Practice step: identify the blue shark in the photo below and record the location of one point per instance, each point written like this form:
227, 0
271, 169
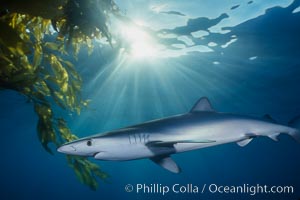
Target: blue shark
158, 139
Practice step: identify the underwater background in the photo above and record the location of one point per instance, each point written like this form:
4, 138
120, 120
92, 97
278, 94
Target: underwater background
242, 55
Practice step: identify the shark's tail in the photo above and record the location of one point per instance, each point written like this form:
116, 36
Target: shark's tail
295, 123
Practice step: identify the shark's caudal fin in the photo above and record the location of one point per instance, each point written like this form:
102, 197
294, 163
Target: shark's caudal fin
295, 123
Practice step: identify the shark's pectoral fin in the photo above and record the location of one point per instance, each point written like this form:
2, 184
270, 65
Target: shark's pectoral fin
167, 163
158, 143
243, 143
168, 147
195, 141
171, 143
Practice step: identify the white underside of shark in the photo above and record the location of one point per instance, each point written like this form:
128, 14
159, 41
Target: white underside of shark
200, 128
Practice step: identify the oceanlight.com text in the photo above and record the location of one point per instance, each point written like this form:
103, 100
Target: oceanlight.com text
250, 189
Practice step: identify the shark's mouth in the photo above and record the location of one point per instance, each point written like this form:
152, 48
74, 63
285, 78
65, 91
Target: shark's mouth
100, 155
94, 155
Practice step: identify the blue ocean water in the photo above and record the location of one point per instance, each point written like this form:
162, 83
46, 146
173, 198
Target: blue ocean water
257, 73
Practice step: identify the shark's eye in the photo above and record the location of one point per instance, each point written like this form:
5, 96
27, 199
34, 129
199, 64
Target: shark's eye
89, 143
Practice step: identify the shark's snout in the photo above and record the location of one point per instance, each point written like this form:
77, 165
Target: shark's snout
66, 149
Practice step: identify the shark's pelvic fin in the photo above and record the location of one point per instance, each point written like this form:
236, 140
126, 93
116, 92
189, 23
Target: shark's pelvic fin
167, 163
202, 104
243, 143
249, 138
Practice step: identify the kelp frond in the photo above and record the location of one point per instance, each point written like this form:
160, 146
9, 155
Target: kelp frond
37, 65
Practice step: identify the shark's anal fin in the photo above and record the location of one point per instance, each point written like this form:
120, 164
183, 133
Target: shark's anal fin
167, 163
274, 136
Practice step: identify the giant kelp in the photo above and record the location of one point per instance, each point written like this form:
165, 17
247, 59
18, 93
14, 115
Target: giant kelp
36, 62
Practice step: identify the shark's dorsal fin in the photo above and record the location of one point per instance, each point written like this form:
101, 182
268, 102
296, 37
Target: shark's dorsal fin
167, 163
202, 104
268, 118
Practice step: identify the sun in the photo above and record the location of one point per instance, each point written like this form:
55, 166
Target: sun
138, 42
